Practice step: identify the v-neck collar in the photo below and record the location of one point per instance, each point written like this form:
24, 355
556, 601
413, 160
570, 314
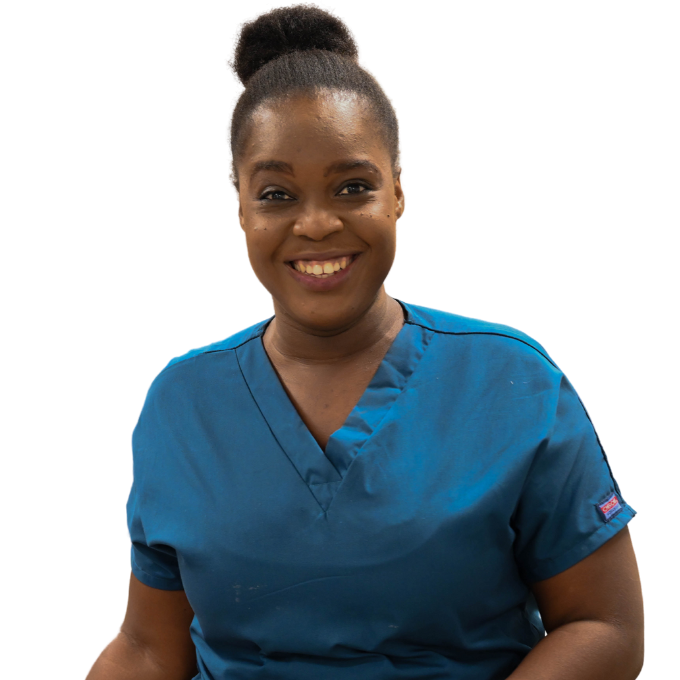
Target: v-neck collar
323, 472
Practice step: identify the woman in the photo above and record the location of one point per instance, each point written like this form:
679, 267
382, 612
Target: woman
359, 487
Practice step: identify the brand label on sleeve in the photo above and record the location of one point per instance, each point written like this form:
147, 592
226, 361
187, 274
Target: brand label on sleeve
610, 507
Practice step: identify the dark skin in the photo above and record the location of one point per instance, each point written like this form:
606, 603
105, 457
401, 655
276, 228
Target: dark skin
352, 325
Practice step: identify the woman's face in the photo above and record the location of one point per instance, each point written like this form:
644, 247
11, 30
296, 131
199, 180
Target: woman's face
319, 206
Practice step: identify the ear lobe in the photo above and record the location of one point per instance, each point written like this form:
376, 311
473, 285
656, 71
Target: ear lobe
241, 218
399, 194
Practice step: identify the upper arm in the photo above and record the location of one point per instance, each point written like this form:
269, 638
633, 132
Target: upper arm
604, 586
159, 621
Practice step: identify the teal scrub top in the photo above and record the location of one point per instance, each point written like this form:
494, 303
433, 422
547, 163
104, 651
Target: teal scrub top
468, 470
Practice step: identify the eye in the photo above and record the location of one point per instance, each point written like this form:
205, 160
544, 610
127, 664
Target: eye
355, 184
271, 193
366, 188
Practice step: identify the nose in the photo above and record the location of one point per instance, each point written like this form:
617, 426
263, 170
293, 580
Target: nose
317, 224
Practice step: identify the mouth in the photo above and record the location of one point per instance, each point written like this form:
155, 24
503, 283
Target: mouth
324, 282
324, 276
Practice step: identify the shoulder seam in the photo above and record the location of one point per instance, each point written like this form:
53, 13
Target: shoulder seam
180, 358
503, 335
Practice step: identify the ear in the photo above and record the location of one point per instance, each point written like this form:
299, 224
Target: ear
239, 217
239, 212
237, 185
399, 195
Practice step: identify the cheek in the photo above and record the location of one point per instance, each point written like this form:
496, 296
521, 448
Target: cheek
259, 245
385, 214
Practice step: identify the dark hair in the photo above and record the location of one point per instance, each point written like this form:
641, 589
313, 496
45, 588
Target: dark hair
302, 49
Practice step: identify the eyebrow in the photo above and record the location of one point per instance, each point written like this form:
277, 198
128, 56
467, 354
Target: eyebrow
335, 168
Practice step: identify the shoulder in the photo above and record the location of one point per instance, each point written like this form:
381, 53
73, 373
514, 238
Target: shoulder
478, 335
230, 343
198, 365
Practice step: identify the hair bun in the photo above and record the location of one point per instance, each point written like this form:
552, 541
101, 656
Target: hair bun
289, 29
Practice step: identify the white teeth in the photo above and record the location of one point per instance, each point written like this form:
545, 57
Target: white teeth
324, 270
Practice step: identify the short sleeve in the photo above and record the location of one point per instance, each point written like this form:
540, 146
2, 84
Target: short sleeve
154, 563
570, 503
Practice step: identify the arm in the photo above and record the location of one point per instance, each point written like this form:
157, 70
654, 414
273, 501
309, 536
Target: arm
582, 650
123, 660
593, 615
154, 641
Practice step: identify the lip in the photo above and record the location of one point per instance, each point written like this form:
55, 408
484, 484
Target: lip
322, 285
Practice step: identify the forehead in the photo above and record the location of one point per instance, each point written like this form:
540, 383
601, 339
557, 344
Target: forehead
314, 130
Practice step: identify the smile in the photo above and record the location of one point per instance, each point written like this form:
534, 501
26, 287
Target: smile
327, 276
322, 269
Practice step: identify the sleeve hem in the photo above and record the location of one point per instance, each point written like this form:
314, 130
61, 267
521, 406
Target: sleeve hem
156, 581
551, 567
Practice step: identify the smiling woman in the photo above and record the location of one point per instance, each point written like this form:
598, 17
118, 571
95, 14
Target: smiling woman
359, 487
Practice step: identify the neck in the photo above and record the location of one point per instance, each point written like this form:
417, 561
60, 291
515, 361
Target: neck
378, 325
